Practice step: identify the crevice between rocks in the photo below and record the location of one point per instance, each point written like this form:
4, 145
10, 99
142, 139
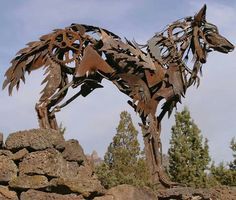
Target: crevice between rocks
4, 183
59, 189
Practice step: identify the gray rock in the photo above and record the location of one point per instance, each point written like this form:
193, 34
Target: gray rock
72, 170
48, 162
74, 152
34, 139
128, 192
19, 154
84, 186
6, 194
51, 163
29, 182
8, 169
77, 179
38, 195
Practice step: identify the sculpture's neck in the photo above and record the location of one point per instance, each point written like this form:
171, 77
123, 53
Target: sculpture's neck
175, 45
171, 44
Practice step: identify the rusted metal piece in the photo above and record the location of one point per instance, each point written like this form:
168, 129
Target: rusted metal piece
147, 73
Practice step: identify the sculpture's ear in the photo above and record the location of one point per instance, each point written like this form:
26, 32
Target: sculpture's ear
201, 15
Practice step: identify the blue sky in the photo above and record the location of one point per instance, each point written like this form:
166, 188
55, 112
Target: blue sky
93, 120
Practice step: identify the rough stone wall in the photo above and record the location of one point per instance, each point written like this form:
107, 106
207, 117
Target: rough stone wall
39, 164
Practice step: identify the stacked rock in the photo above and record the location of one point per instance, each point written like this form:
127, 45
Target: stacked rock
39, 164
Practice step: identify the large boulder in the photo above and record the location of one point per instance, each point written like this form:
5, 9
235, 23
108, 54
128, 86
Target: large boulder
86, 187
29, 182
34, 139
48, 162
123, 192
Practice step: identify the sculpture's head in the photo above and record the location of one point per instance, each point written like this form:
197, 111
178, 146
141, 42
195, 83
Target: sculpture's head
206, 37
191, 33
188, 37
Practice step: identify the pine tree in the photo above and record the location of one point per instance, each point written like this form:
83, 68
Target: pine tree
232, 164
124, 149
226, 174
123, 162
188, 153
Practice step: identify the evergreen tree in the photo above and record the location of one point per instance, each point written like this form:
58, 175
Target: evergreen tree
226, 175
188, 153
124, 150
123, 162
223, 175
232, 164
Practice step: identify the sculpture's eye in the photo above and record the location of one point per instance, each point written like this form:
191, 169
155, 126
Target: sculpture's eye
214, 30
210, 31
210, 28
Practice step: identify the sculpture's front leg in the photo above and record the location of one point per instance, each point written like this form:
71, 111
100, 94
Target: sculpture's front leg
153, 151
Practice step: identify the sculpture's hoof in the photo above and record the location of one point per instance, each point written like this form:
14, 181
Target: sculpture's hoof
169, 184
161, 178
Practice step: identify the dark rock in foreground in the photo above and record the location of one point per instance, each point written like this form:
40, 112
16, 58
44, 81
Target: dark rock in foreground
128, 192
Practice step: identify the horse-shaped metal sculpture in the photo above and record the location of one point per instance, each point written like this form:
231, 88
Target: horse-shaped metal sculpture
147, 73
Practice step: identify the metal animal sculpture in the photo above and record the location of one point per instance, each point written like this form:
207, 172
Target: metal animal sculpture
147, 73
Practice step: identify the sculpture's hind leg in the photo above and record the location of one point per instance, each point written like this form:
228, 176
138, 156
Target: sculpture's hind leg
53, 121
56, 80
47, 118
43, 115
54, 101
